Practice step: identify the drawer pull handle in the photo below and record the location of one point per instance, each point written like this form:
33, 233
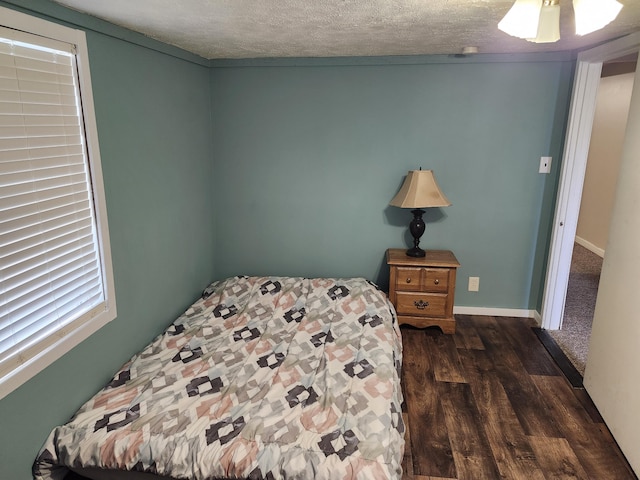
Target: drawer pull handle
409, 280
436, 281
421, 305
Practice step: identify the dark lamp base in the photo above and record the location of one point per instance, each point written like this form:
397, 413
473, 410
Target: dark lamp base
415, 252
416, 227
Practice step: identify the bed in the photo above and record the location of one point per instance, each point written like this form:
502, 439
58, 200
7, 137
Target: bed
270, 378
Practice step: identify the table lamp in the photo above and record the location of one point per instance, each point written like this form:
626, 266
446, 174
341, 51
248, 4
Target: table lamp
419, 190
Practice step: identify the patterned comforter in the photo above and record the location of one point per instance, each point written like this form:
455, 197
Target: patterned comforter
265, 378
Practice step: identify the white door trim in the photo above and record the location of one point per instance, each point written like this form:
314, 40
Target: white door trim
576, 150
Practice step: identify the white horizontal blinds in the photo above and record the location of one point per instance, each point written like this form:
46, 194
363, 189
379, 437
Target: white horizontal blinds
50, 267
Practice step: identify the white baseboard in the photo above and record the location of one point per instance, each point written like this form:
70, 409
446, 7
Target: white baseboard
537, 317
497, 312
590, 246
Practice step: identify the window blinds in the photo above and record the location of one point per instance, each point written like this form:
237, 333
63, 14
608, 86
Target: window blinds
50, 269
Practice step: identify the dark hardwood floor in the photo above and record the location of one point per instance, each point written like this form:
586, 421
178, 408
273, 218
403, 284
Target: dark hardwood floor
489, 402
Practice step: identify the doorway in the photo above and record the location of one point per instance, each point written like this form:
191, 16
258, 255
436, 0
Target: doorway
581, 117
596, 206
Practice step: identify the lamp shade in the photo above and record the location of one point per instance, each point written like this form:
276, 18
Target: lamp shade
420, 190
592, 15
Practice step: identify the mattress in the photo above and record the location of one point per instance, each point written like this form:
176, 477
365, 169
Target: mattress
262, 378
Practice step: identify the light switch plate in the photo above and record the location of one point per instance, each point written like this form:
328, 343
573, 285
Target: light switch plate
545, 165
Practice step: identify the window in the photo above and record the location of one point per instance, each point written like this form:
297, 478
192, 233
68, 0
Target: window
56, 283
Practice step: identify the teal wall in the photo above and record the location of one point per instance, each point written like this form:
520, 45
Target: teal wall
153, 115
308, 156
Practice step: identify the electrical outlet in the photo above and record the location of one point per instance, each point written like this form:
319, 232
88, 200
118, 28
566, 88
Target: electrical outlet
474, 284
545, 165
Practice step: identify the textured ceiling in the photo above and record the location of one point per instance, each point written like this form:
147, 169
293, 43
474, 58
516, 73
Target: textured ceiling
327, 28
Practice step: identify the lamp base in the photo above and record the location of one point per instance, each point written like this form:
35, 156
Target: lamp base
415, 252
416, 227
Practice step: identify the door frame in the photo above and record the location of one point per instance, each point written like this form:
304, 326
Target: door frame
574, 164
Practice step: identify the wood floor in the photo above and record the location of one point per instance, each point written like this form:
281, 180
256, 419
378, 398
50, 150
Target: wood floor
490, 403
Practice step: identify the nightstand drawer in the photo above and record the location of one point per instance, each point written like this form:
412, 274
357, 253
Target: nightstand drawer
409, 279
422, 279
421, 304
436, 279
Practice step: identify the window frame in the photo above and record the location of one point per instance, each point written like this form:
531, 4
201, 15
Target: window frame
91, 321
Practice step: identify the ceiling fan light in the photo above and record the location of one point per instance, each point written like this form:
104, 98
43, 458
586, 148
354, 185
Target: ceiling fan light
549, 25
522, 19
592, 15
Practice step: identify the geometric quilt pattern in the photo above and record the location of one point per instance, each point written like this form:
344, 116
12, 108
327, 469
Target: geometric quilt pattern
265, 378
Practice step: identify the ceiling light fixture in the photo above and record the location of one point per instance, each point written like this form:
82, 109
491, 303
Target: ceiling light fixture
539, 20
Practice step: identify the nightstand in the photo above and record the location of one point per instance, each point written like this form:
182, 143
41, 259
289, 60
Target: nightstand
422, 289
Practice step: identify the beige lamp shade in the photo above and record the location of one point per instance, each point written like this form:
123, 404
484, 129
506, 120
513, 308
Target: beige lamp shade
420, 190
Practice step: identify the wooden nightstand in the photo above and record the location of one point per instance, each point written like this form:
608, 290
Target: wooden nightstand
422, 289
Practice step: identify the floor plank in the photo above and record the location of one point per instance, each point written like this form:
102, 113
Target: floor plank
555, 455
447, 368
430, 445
471, 451
466, 336
510, 445
488, 403
596, 454
520, 389
584, 398
530, 351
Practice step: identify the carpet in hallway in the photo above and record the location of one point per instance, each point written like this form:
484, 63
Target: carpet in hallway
582, 290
